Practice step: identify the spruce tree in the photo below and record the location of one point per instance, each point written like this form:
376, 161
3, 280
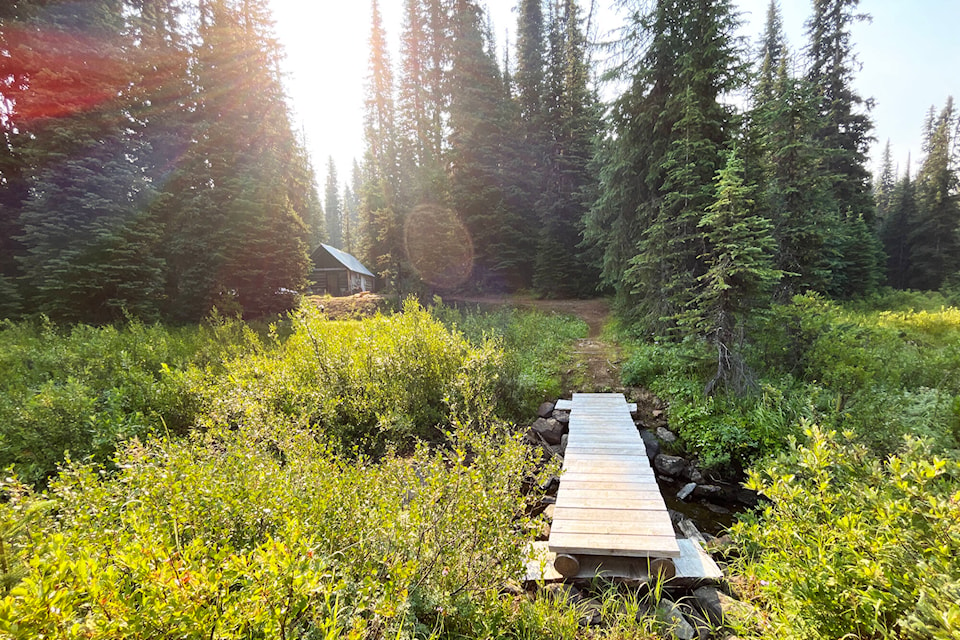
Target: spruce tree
657, 179
739, 273
901, 214
884, 184
572, 124
89, 242
935, 233
333, 207
843, 136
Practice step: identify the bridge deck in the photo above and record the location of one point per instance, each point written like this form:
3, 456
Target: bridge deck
608, 503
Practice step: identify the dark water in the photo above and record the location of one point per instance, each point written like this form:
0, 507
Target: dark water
706, 519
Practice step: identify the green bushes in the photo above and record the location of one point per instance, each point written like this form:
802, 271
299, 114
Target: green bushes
878, 375
87, 388
222, 537
854, 545
385, 381
537, 351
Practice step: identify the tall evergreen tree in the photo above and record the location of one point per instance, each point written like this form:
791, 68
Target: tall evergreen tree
935, 233
901, 213
884, 184
670, 129
237, 242
572, 124
89, 246
333, 207
739, 273
843, 135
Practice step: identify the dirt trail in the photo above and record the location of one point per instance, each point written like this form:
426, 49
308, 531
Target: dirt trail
596, 366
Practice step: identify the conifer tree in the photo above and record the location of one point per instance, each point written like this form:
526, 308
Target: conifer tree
935, 232
895, 230
843, 136
884, 184
333, 207
89, 247
739, 273
571, 120
658, 173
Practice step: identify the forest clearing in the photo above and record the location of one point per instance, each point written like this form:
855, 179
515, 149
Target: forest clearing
622, 287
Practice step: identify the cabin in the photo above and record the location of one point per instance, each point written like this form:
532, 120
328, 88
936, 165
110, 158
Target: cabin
338, 273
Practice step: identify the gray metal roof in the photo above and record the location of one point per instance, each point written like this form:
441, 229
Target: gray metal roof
348, 260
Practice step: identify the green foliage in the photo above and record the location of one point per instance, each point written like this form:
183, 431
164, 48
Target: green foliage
219, 535
536, 351
85, 389
854, 545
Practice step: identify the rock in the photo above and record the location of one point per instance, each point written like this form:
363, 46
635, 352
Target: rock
511, 588
686, 491
563, 443
666, 435
657, 413
541, 506
546, 409
721, 608
707, 491
550, 486
548, 511
651, 443
689, 530
697, 620
671, 466
563, 417
749, 498
544, 533
670, 615
549, 429
717, 508
693, 474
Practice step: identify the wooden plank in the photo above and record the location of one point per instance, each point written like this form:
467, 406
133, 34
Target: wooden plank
564, 405
571, 478
634, 484
585, 465
695, 563
648, 492
618, 503
612, 545
602, 527
610, 515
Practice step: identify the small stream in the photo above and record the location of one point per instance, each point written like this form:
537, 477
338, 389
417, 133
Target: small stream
708, 520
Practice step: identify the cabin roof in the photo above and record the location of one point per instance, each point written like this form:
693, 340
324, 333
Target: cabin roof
346, 260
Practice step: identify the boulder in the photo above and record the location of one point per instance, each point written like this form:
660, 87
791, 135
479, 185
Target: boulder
721, 608
563, 444
563, 417
707, 491
651, 442
693, 474
546, 409
563, 592
671, 466
549, 429
670, 614
666, 435
686, 491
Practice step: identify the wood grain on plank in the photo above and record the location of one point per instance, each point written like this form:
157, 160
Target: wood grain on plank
602, 544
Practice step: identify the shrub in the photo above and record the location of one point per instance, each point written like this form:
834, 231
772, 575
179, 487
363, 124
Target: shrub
853, 545
220, 537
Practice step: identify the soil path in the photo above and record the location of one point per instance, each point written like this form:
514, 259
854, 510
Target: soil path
596, 365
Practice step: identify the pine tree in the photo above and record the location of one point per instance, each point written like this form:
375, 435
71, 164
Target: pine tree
739, 273
935, 233
333, 207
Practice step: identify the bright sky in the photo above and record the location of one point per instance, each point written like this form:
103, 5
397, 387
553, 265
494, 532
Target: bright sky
909, 53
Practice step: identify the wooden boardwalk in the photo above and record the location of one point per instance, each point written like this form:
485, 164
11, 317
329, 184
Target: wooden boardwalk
609, 503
